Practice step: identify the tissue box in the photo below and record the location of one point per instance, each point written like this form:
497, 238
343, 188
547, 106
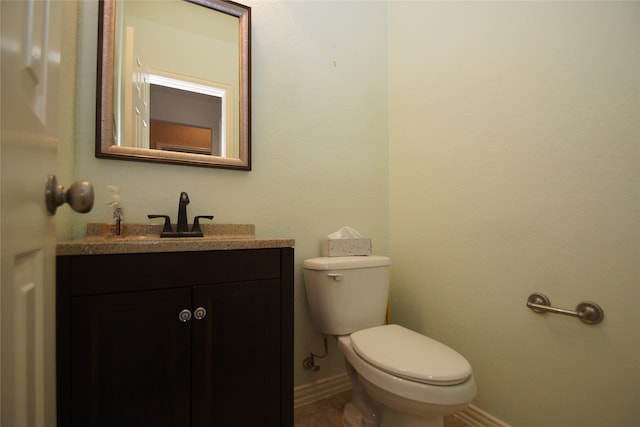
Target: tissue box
346, 247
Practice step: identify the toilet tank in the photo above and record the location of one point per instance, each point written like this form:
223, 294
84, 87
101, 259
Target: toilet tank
347, 294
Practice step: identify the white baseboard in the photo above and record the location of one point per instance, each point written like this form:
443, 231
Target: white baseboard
476, 417
309, 393
320, 389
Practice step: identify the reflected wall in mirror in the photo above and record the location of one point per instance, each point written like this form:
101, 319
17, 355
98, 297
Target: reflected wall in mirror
174, 82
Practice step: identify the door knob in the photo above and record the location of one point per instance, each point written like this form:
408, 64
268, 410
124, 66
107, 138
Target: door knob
79, 196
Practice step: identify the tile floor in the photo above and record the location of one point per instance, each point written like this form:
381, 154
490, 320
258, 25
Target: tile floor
328, 413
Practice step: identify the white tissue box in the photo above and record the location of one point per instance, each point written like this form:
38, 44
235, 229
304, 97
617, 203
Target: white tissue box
346, 247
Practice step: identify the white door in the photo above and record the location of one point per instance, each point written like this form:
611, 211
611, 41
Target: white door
136, 92
30, 63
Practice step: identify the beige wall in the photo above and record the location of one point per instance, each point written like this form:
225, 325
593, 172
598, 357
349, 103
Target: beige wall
514, 168
319, 141
504, 161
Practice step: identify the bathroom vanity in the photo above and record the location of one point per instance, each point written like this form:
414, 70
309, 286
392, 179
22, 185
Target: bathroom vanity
187, 332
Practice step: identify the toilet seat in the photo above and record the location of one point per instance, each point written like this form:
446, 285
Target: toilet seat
410, 355
453, 397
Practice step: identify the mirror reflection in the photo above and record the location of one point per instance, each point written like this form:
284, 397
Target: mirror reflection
172, 128
175, 81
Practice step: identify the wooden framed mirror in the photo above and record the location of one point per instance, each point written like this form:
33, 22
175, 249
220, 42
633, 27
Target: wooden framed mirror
174, 82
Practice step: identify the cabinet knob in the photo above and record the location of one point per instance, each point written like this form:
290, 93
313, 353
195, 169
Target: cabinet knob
199, 313
184, 315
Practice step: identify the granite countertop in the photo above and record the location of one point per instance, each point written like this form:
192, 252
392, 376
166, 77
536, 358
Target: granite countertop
144, 238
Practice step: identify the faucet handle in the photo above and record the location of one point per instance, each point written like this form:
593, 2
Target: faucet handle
196, 223
167, 222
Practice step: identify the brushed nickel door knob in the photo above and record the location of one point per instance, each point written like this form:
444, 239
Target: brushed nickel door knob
79, 196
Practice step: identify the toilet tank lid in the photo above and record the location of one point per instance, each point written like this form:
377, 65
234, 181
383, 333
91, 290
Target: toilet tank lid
408, 354
346, 262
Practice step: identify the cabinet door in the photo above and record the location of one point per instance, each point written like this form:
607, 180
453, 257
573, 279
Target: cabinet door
236, 355
130, 362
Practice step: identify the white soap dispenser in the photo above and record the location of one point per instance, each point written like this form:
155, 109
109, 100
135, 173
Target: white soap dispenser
116, 211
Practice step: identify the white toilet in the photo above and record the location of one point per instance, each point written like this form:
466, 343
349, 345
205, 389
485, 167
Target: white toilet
400, 378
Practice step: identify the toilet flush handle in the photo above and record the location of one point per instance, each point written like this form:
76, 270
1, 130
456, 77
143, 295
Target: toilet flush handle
336, 276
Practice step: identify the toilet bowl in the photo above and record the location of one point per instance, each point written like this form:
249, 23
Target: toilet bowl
400, 378
414, 380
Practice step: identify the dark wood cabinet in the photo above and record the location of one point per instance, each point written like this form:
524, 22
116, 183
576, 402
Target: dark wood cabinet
176, 339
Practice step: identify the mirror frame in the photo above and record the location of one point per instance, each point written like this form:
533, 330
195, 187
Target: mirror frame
104, 105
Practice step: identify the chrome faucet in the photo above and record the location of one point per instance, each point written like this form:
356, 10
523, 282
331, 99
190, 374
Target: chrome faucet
183, 227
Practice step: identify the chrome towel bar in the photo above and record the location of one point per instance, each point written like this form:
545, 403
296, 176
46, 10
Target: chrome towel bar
588, 312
